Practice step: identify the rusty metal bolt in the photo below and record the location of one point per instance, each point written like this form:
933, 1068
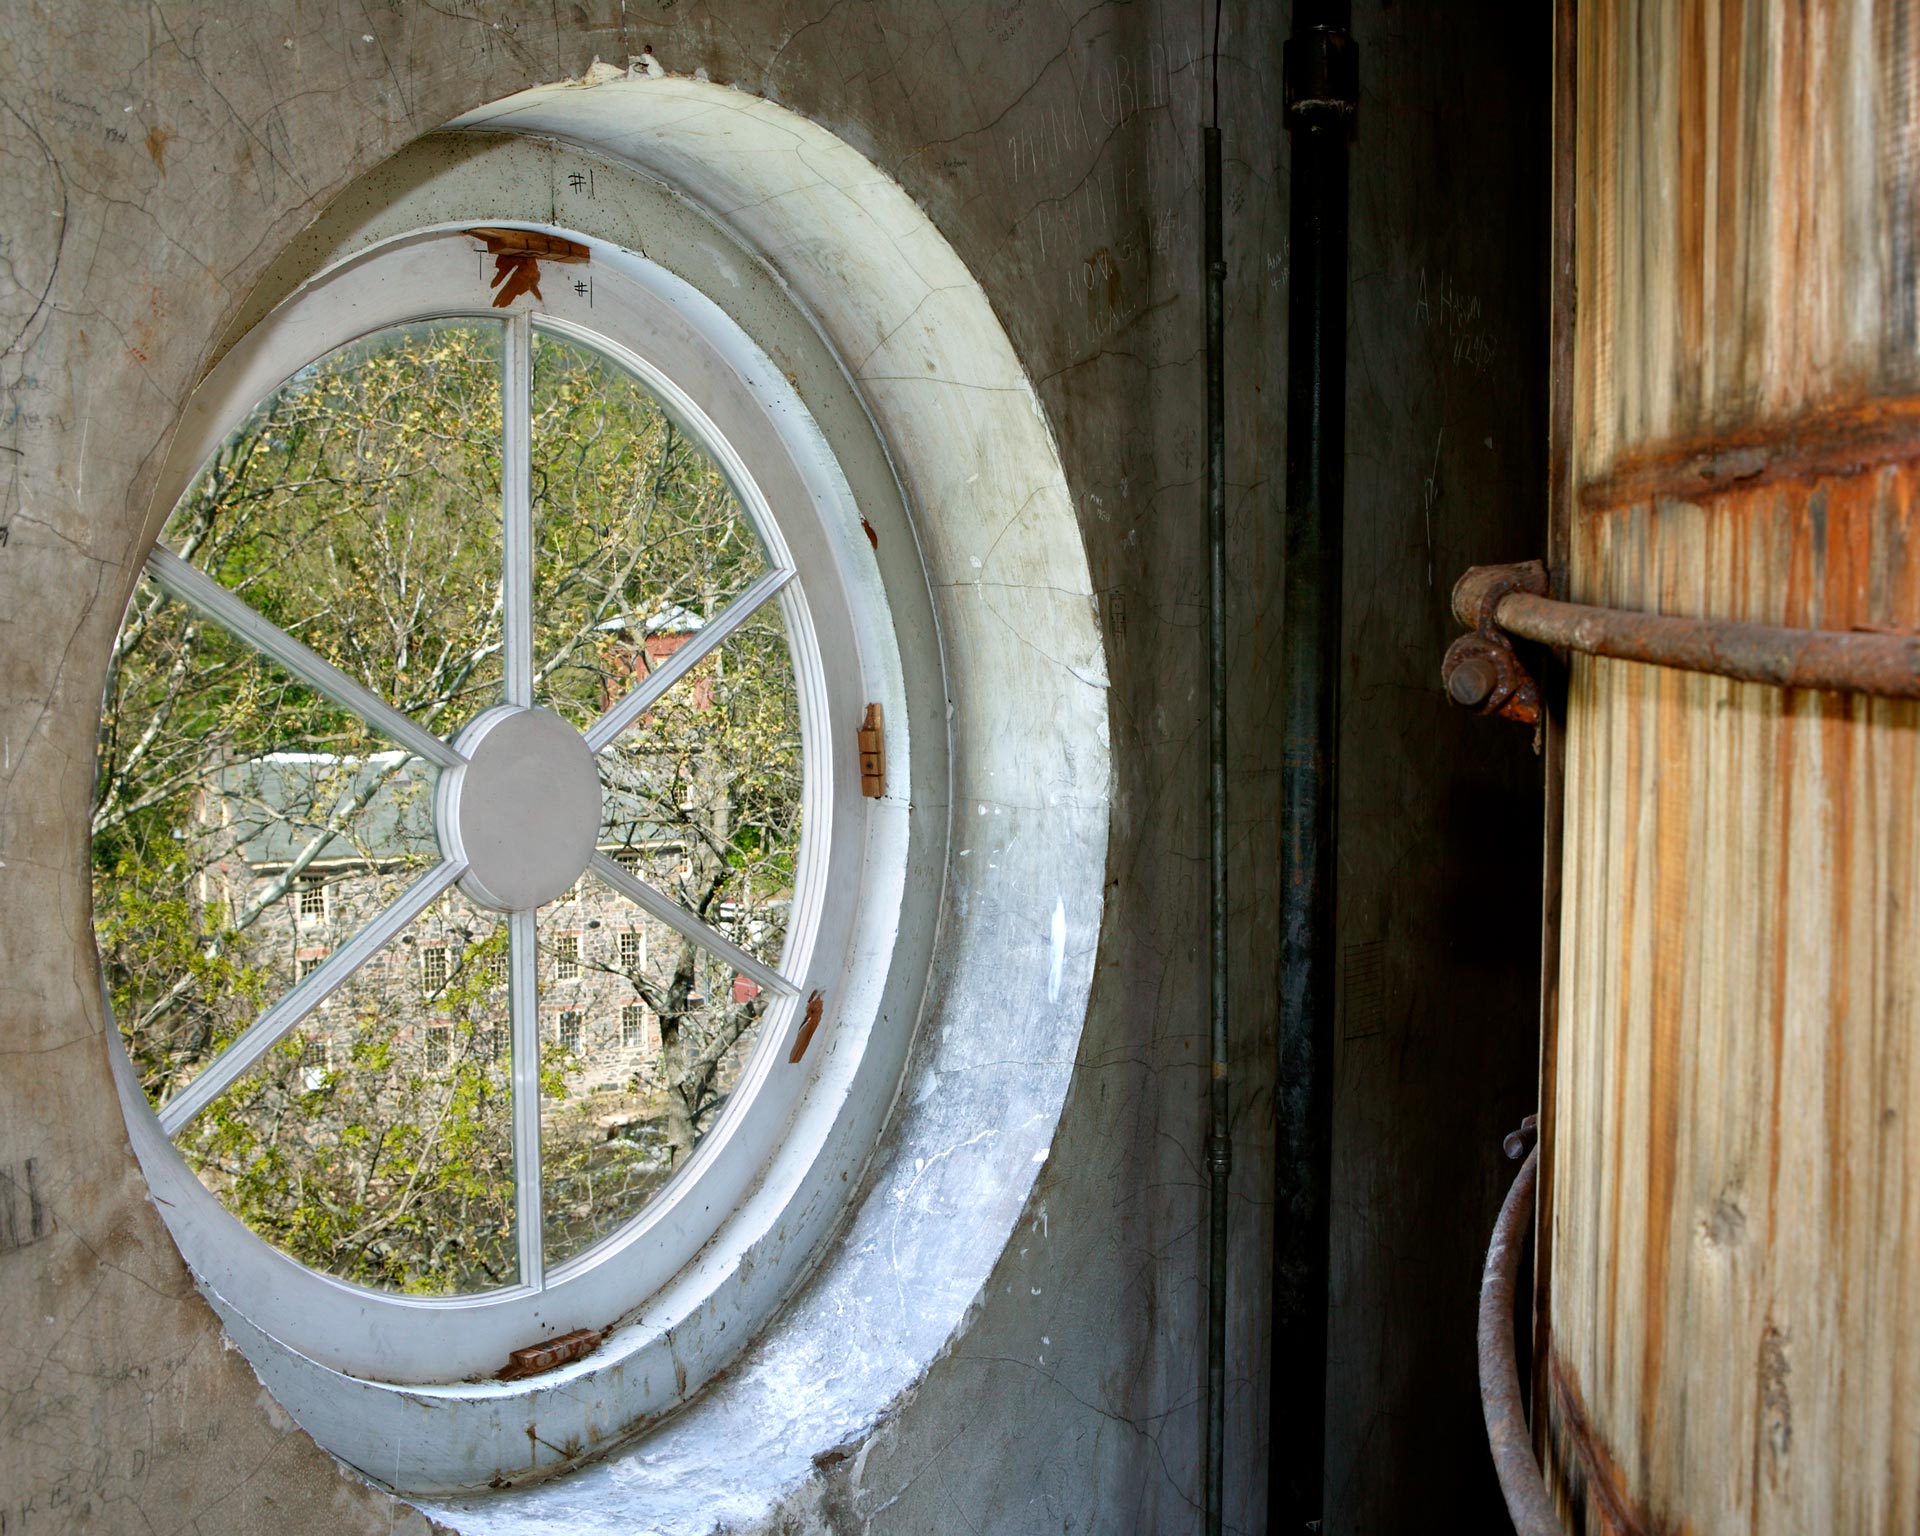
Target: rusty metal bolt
1517, 1144
1473, 682
1482, 673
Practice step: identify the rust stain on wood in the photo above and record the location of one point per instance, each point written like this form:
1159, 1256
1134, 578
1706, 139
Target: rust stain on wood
1733, 1238
1595, 1484
1676, 789
1560, 512
1789, 133
1691, 257
1832, 441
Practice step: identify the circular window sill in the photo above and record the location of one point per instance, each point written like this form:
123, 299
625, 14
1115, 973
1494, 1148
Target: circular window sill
706, 1407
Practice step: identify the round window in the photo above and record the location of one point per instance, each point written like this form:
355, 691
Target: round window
478, 830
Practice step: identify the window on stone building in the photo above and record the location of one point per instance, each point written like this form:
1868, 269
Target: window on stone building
566, 957
569, 1031
316, 1061
633, 1025
439, 1044
312, 898
434, 967
633, 951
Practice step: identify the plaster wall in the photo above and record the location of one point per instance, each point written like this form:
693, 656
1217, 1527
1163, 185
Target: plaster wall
158, 161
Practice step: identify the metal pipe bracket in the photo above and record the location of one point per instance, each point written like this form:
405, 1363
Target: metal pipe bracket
1481, 671
1320, 79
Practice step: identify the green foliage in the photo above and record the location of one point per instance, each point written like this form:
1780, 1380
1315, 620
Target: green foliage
358, 509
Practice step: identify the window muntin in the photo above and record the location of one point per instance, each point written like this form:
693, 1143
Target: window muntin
566, 953
316, 1061
312, 898
720, 842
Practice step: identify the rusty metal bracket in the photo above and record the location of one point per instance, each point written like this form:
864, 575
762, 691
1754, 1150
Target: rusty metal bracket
1501, 600
807, 1026
538, 1359
873, 754
1481, 671
1320, 78
517, 254
1529, 1504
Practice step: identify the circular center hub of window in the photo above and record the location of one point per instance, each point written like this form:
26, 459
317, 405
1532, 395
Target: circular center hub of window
524, 811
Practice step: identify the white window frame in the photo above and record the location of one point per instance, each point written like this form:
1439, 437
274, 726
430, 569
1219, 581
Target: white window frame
633, 1026
314, 888
567, 953
748, 418
316, 1061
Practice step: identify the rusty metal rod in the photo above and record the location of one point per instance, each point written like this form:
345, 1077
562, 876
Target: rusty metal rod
1841, 661
1529, 1505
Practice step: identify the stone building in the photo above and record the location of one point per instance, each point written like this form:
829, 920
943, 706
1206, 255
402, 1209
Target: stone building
593, 937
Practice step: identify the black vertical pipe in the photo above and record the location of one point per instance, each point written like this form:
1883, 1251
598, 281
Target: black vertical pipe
1321, 79
1219, 1135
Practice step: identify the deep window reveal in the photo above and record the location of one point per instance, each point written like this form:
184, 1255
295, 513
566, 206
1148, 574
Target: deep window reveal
977, 910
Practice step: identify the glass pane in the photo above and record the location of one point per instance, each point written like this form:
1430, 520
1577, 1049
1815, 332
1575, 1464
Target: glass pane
358, 508
638, 536
703, 792
643, 1037
376, 1141
243, 828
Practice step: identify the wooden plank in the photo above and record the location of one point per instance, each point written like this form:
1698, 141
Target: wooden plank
1561, 379
1734, 1220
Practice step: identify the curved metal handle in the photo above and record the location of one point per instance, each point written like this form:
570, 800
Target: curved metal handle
1529, 1505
